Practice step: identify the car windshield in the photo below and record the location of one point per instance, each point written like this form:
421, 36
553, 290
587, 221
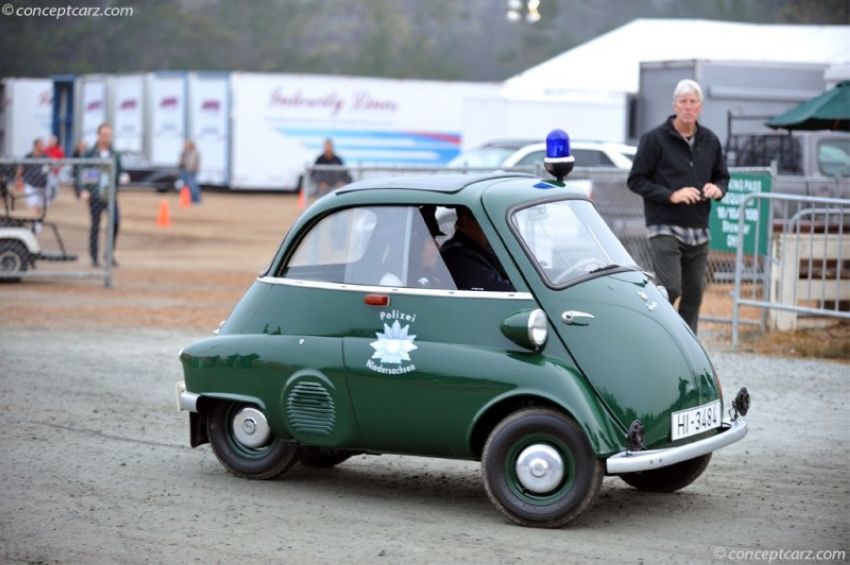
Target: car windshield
482, 157
568, 239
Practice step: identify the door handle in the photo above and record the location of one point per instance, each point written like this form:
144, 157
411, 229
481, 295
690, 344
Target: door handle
576, 317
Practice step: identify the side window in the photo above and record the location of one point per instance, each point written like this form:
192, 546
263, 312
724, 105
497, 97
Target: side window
426, 267
591, 158
394, 246
352, 246
531, 159
834, 158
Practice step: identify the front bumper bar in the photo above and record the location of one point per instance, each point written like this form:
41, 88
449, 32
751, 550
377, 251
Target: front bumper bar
637, 461
186, 400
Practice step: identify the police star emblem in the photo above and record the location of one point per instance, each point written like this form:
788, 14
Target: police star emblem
393, 345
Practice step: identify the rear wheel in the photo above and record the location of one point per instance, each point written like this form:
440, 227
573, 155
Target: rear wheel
539, 469
242, 442
669, 479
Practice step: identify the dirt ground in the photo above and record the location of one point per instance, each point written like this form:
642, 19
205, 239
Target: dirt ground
187, 275
96, 467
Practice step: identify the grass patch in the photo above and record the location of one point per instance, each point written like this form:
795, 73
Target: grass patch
826, 342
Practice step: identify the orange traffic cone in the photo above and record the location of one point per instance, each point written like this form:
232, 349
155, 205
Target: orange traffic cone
185, 197
301, 199
163, 219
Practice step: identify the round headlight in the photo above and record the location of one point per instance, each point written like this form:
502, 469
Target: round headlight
538, 328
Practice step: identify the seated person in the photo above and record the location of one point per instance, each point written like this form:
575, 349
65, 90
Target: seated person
470, 258
427, 269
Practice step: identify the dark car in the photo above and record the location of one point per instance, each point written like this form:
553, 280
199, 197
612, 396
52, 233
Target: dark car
141, 172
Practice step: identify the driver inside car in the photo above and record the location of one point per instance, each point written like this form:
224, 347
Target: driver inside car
470, 258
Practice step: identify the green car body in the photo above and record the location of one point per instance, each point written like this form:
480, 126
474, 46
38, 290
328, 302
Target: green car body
334, 359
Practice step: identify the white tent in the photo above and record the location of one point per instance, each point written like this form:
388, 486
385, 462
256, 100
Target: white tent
611, 62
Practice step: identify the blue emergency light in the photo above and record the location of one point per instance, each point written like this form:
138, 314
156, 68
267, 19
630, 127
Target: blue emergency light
558, 162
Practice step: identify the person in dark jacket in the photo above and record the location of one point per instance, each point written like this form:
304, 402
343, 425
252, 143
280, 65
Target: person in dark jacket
679, 169
97, 191
471, 260
328, 180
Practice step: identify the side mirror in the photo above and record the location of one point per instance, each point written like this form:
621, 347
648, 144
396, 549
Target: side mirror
527, 328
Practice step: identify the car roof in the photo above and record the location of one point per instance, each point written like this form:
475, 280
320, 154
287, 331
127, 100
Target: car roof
432, 183
509, 143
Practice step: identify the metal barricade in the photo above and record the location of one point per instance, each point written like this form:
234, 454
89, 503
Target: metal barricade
46, 226
807, 268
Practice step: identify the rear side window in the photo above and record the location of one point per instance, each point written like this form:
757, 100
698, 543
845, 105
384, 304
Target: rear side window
394, 246
343, 247
591, 158
834, 157
531, 159
765, 150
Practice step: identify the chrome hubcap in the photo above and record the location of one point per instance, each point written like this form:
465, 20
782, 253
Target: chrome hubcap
250, 428
540, 468
10, 262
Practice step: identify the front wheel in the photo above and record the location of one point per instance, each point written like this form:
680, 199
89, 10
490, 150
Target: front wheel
539, 469
669, 479
243, 443
14, 257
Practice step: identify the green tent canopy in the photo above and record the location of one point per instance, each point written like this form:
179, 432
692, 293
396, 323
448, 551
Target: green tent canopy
830, 110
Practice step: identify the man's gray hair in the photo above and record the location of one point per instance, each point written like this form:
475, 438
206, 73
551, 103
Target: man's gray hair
687, 86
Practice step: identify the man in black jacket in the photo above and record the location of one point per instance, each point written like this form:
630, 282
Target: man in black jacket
327, 180
678, 170
471, 260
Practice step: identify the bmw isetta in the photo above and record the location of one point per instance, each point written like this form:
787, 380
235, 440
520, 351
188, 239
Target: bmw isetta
543, 352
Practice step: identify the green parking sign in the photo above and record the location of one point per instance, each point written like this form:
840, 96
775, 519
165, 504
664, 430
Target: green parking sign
723, 221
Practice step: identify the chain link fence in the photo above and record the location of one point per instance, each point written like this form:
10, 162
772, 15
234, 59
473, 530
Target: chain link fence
58, 219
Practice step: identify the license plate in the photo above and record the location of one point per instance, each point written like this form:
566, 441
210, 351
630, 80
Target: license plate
694, 421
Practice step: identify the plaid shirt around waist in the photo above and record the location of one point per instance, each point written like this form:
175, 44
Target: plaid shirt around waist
685, 235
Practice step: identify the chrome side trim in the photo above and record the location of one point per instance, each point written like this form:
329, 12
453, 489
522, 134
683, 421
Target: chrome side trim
636, 461
398, 290
186, 400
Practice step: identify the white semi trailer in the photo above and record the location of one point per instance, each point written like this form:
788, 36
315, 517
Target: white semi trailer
26, 112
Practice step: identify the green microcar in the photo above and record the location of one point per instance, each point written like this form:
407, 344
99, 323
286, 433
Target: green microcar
492, 318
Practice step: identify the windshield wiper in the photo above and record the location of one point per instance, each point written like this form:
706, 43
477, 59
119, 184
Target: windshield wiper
607, 268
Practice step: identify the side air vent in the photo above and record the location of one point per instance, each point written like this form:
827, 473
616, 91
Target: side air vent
310, 409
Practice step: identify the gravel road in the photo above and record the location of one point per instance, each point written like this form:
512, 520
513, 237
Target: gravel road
96, 468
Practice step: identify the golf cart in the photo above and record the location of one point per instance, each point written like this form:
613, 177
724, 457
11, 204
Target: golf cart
19, 228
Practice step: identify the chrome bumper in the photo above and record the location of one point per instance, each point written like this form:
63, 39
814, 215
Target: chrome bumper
636, 461
186, 400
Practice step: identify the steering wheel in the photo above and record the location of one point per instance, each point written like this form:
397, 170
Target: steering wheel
585, 265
